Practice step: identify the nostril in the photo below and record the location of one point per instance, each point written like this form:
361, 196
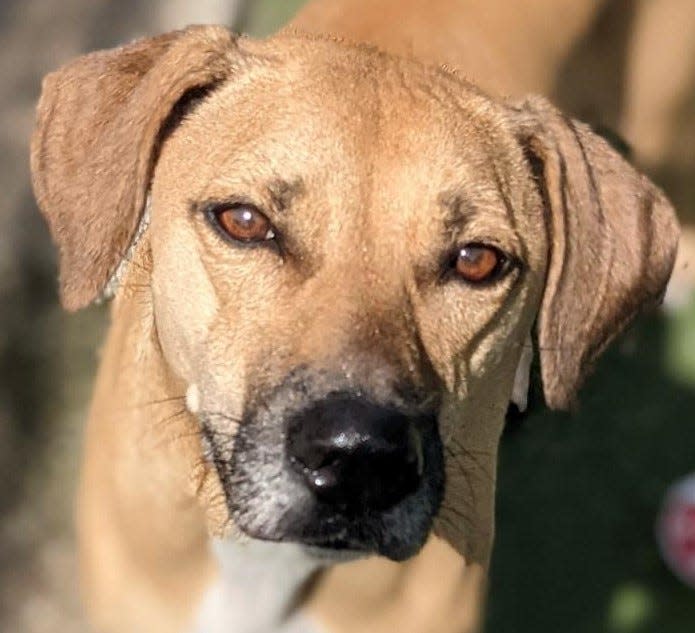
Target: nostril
354, 454
325, 482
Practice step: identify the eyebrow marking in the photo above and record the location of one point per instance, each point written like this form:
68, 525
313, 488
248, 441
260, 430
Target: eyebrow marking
283, 193
459, 209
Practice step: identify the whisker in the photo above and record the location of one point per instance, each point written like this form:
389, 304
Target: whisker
150, 403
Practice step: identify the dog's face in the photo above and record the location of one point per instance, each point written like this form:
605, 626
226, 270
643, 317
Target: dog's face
331, 266
348, 252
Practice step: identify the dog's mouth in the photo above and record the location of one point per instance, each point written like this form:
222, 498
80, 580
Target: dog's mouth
338, 473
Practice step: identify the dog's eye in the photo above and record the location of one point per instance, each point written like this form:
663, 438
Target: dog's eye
480, 263
243, 223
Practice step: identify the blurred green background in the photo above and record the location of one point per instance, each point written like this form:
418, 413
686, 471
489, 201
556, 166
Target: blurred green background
578, 494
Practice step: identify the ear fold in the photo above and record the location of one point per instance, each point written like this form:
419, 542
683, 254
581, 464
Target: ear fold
613, 237
100, 120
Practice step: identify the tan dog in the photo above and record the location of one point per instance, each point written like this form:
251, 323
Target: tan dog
327, 261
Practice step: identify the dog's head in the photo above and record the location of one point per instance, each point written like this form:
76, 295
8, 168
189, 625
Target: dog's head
346, 254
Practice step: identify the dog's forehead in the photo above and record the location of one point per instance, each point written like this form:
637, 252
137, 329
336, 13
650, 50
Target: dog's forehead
359, 89
310, 105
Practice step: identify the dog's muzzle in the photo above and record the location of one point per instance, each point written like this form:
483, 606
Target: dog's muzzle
335, 469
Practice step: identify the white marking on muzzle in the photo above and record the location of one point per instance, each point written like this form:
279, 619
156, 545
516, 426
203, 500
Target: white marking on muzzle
193, 399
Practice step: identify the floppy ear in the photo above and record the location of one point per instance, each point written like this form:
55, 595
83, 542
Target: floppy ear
613, 237
100, 120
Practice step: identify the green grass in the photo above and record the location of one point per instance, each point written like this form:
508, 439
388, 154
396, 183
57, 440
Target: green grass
680, 345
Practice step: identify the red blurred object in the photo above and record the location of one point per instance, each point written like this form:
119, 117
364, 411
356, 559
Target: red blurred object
676, 530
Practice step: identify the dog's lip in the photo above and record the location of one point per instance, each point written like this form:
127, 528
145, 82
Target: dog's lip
329, 549
320, 553
331, 555
342, 544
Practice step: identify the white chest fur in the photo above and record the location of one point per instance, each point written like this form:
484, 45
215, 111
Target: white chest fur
256, 589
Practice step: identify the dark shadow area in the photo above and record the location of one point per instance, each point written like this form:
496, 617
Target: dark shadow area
677, 175
592, 86
29, 389
578, 498
591, 83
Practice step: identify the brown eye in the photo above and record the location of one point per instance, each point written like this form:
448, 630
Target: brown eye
244, 223
478, 263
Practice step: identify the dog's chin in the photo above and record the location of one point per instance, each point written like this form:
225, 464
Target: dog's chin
338, 539
342, 539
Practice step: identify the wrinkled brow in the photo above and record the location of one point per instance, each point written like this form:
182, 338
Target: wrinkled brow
457, 207
283, 193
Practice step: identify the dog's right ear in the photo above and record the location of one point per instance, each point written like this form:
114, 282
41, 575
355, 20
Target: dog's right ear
100, 121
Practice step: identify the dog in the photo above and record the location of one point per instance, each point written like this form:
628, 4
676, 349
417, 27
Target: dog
329, 261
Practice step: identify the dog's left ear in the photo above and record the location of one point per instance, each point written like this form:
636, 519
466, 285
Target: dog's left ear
613, 237
100, 121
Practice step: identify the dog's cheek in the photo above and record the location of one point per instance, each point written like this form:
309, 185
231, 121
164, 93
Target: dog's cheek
185, 304
449, 327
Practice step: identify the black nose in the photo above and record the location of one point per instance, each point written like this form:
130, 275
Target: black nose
354, 454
